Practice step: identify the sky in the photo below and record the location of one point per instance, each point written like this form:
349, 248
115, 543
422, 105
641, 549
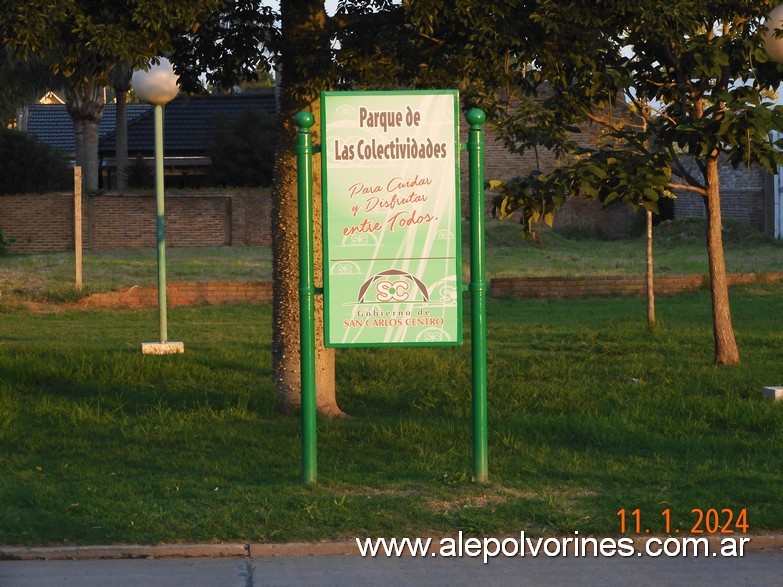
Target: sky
331, 5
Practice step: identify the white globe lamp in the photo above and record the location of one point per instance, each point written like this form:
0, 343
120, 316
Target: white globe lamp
773, 44
156, 85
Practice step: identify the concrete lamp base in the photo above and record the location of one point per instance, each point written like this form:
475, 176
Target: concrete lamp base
773, 394
162, 348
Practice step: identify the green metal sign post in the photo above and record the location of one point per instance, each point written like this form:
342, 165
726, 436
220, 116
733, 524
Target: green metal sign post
392, 262
304, 162
478, 293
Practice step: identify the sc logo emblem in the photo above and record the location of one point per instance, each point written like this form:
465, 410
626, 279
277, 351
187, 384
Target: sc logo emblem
392, 291
393, 286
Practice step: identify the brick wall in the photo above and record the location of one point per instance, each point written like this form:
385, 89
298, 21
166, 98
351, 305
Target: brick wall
500, 164
129, 221
251, 218
615, 221
38, 222
743, 192
228, 292
607, 286
745, 195
184, 294
44, 222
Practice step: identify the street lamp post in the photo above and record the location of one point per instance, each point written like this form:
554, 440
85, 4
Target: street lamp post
158, 86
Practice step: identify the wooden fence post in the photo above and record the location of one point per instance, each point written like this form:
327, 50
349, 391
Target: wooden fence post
77, 224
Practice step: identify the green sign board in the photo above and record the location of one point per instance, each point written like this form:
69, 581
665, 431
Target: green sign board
391, 218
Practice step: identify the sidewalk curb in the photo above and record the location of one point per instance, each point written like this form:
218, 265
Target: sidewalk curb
303, 549
250, 550
124, 551
142, 551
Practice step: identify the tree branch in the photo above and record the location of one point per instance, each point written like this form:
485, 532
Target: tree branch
339, 22
603, 121
682, 172
690, 188
436, 45
664, 113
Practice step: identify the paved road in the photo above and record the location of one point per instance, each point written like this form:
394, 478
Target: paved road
756, 568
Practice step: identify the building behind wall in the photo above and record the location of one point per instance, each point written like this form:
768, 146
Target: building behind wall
746, 195
615, 221
187, 132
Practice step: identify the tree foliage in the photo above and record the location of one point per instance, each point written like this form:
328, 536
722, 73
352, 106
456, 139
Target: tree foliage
29, 166
83, 41
5, 243
669, 84
230, 46
664, 81
20, 83
542, 70
242, 150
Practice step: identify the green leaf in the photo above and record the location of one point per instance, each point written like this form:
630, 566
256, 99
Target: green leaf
495, 185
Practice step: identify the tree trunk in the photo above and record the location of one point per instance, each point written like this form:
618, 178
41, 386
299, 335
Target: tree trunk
120, 79
78, 135
85, 107
91, 164
726, 352
307, 45
121, 137
650, 278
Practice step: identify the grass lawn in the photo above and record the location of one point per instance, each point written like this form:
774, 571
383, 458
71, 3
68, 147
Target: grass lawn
590, 412
51, 276
679, 248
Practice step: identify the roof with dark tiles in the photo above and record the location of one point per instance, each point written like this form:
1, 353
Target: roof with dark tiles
186, 122
51, 124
